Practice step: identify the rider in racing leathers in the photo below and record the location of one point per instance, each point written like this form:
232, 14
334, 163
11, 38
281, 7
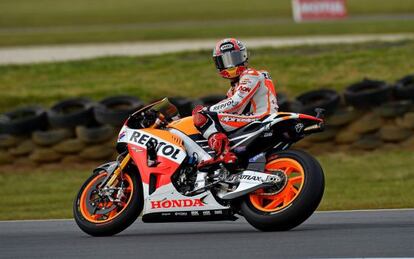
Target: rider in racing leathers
251, 97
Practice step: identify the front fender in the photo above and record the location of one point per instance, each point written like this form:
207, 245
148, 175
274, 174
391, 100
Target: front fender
108, 167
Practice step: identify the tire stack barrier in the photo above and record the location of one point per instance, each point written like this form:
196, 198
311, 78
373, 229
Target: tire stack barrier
68, 132
368, 115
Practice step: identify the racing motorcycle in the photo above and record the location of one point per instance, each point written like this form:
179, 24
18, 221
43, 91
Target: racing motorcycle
156, 174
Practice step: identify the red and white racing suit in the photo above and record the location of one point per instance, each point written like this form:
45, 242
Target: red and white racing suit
249, 99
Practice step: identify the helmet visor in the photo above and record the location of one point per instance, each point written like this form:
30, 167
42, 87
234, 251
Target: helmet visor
230, 59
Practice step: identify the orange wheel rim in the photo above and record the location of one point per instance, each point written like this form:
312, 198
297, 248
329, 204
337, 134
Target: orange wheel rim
295, 180
86, 198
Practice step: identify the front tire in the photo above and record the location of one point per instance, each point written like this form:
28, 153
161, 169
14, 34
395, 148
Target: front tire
98, 216
293, 204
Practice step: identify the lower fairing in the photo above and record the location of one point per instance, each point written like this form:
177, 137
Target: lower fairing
190, 216
166, 204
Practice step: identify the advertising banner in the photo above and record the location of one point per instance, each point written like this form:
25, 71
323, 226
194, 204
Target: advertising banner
313, 10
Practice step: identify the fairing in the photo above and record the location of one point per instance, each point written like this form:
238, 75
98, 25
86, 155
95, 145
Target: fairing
159, 193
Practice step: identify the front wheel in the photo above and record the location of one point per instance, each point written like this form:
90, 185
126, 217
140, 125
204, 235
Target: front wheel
100, 212
283, 209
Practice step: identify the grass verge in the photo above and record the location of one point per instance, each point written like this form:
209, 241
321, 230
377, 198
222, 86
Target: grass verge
295, 70
29, 22
374, 180
44, 13
199, 30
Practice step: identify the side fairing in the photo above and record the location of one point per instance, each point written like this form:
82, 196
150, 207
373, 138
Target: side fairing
165, 199
170, 154
159, 193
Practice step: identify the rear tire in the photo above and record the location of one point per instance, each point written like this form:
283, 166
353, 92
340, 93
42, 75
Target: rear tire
118, 222
299, 206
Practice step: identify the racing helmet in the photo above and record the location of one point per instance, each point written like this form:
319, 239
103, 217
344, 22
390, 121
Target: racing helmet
230, 57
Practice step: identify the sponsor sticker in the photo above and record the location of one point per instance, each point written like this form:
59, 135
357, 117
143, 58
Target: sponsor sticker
181, 203
227, 46
236, 119
121, 135
206, 213
222, 105
163, 148
255, 158
304, 10
244, 89
299, 127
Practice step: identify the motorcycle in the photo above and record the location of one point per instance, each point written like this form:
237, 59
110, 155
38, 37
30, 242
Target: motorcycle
156, 174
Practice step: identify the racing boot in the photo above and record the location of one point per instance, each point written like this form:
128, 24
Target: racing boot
221, 146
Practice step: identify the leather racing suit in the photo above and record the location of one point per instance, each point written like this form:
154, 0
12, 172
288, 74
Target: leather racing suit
250, 98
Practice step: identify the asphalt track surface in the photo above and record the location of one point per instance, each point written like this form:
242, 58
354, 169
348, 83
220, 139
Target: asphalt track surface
57, 53
383, 233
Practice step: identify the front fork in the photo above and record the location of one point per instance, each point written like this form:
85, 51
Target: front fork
114, 171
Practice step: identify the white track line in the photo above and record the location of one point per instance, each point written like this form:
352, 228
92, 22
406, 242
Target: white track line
317, 212
53, 53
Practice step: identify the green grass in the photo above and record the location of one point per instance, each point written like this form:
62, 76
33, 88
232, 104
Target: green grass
56, 21
39, 194
369, 181
28, 13
260, 28
192, 74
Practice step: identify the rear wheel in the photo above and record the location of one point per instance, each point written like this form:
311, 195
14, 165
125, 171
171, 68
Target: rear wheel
100, 212
284, 208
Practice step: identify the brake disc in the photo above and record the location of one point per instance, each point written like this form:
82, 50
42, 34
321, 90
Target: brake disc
93, 205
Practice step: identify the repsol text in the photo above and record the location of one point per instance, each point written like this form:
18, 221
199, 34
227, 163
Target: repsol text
164, 148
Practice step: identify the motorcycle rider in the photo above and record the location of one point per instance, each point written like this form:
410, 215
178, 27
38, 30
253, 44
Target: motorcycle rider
251, 97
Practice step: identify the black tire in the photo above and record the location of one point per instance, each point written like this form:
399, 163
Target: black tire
69, 146
368, 142
404, 88
23, 120
322, 148
120, 222
212, 99
25, 148
71, 113
368, 123
184, 105
346, 137
116, 109
342, 116
328, 134
282, 102
6, 158
324, 98
408, 144
301, 208
94, 135
3, 120
100, 152
8, 141
72, 159
51, 137
407, 121
393, 133
295, 106
367, 94
394, 108
45, 155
